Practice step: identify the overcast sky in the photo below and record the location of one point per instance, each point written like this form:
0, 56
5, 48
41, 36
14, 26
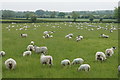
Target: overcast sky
58, 5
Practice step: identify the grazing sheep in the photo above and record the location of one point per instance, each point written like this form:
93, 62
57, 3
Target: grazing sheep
77, 61
65, 62
85, 67
104, 36
100, 56
26, 53
46, 59
23, 35
41, 49
110, 51
2, 53
10, 63
30, 48
78, 38
119, 68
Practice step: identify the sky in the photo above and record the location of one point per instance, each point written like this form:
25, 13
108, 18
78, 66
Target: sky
58, 5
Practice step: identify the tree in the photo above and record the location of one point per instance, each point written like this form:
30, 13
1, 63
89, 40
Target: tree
8, 14
61, 14
101, 19
40, 13
117, 13
53, 14
33, 18
91, 18
75, 15
28, 14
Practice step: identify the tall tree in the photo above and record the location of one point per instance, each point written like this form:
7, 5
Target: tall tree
75, 15
61, 14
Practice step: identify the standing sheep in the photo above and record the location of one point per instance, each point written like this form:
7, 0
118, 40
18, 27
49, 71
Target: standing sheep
65, 62
41, 49
10, 63
77, 61
100, 56
46, 59
110, 51
23, 35
30, 48
85, 67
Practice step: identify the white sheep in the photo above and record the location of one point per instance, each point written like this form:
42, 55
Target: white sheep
26, 53
104, 36
2, 53
30, 48
65, 62
23, 35
85, 67
77, 61
46, 59
43, 49
119, 68
110, 51
10, 63
32, 42
100, 56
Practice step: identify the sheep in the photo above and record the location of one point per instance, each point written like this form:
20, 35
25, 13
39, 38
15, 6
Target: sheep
30, 48
119, 68
32, 43
10, 64
85, 67
43, 49
2, 53
23, 35
65, 62
110, 51
78, 38
100, 56
77, 61
26, 53
104, 36
46, 59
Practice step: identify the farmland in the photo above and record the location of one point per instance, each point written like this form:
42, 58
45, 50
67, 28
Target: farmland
59, 48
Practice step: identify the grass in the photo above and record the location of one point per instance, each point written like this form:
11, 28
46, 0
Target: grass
60, 48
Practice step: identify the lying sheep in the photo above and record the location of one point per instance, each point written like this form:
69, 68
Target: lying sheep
23, 35
65, 62
100, 56
110, 51
2, 53
26, 53
84, 67
46, 59
10, 63
104, 36
41, 49
30, 48
77, 61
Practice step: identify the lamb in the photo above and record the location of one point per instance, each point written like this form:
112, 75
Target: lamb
46, 59
10, 64
104, 36
30, 48
65, 62
26, 53
32, 43
43, 49
110, 51
77, 61
100, 56
2, 53
85, 67
23, 35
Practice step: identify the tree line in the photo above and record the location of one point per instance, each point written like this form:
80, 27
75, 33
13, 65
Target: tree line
100, 14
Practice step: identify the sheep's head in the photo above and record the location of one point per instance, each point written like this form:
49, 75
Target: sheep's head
10, 65
114, 48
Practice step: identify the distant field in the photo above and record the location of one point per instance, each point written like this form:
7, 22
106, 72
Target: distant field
60, 48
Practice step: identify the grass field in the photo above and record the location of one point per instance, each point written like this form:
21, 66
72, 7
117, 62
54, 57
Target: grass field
59, 48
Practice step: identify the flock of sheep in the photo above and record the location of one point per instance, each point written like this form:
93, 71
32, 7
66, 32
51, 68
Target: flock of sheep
48, 59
